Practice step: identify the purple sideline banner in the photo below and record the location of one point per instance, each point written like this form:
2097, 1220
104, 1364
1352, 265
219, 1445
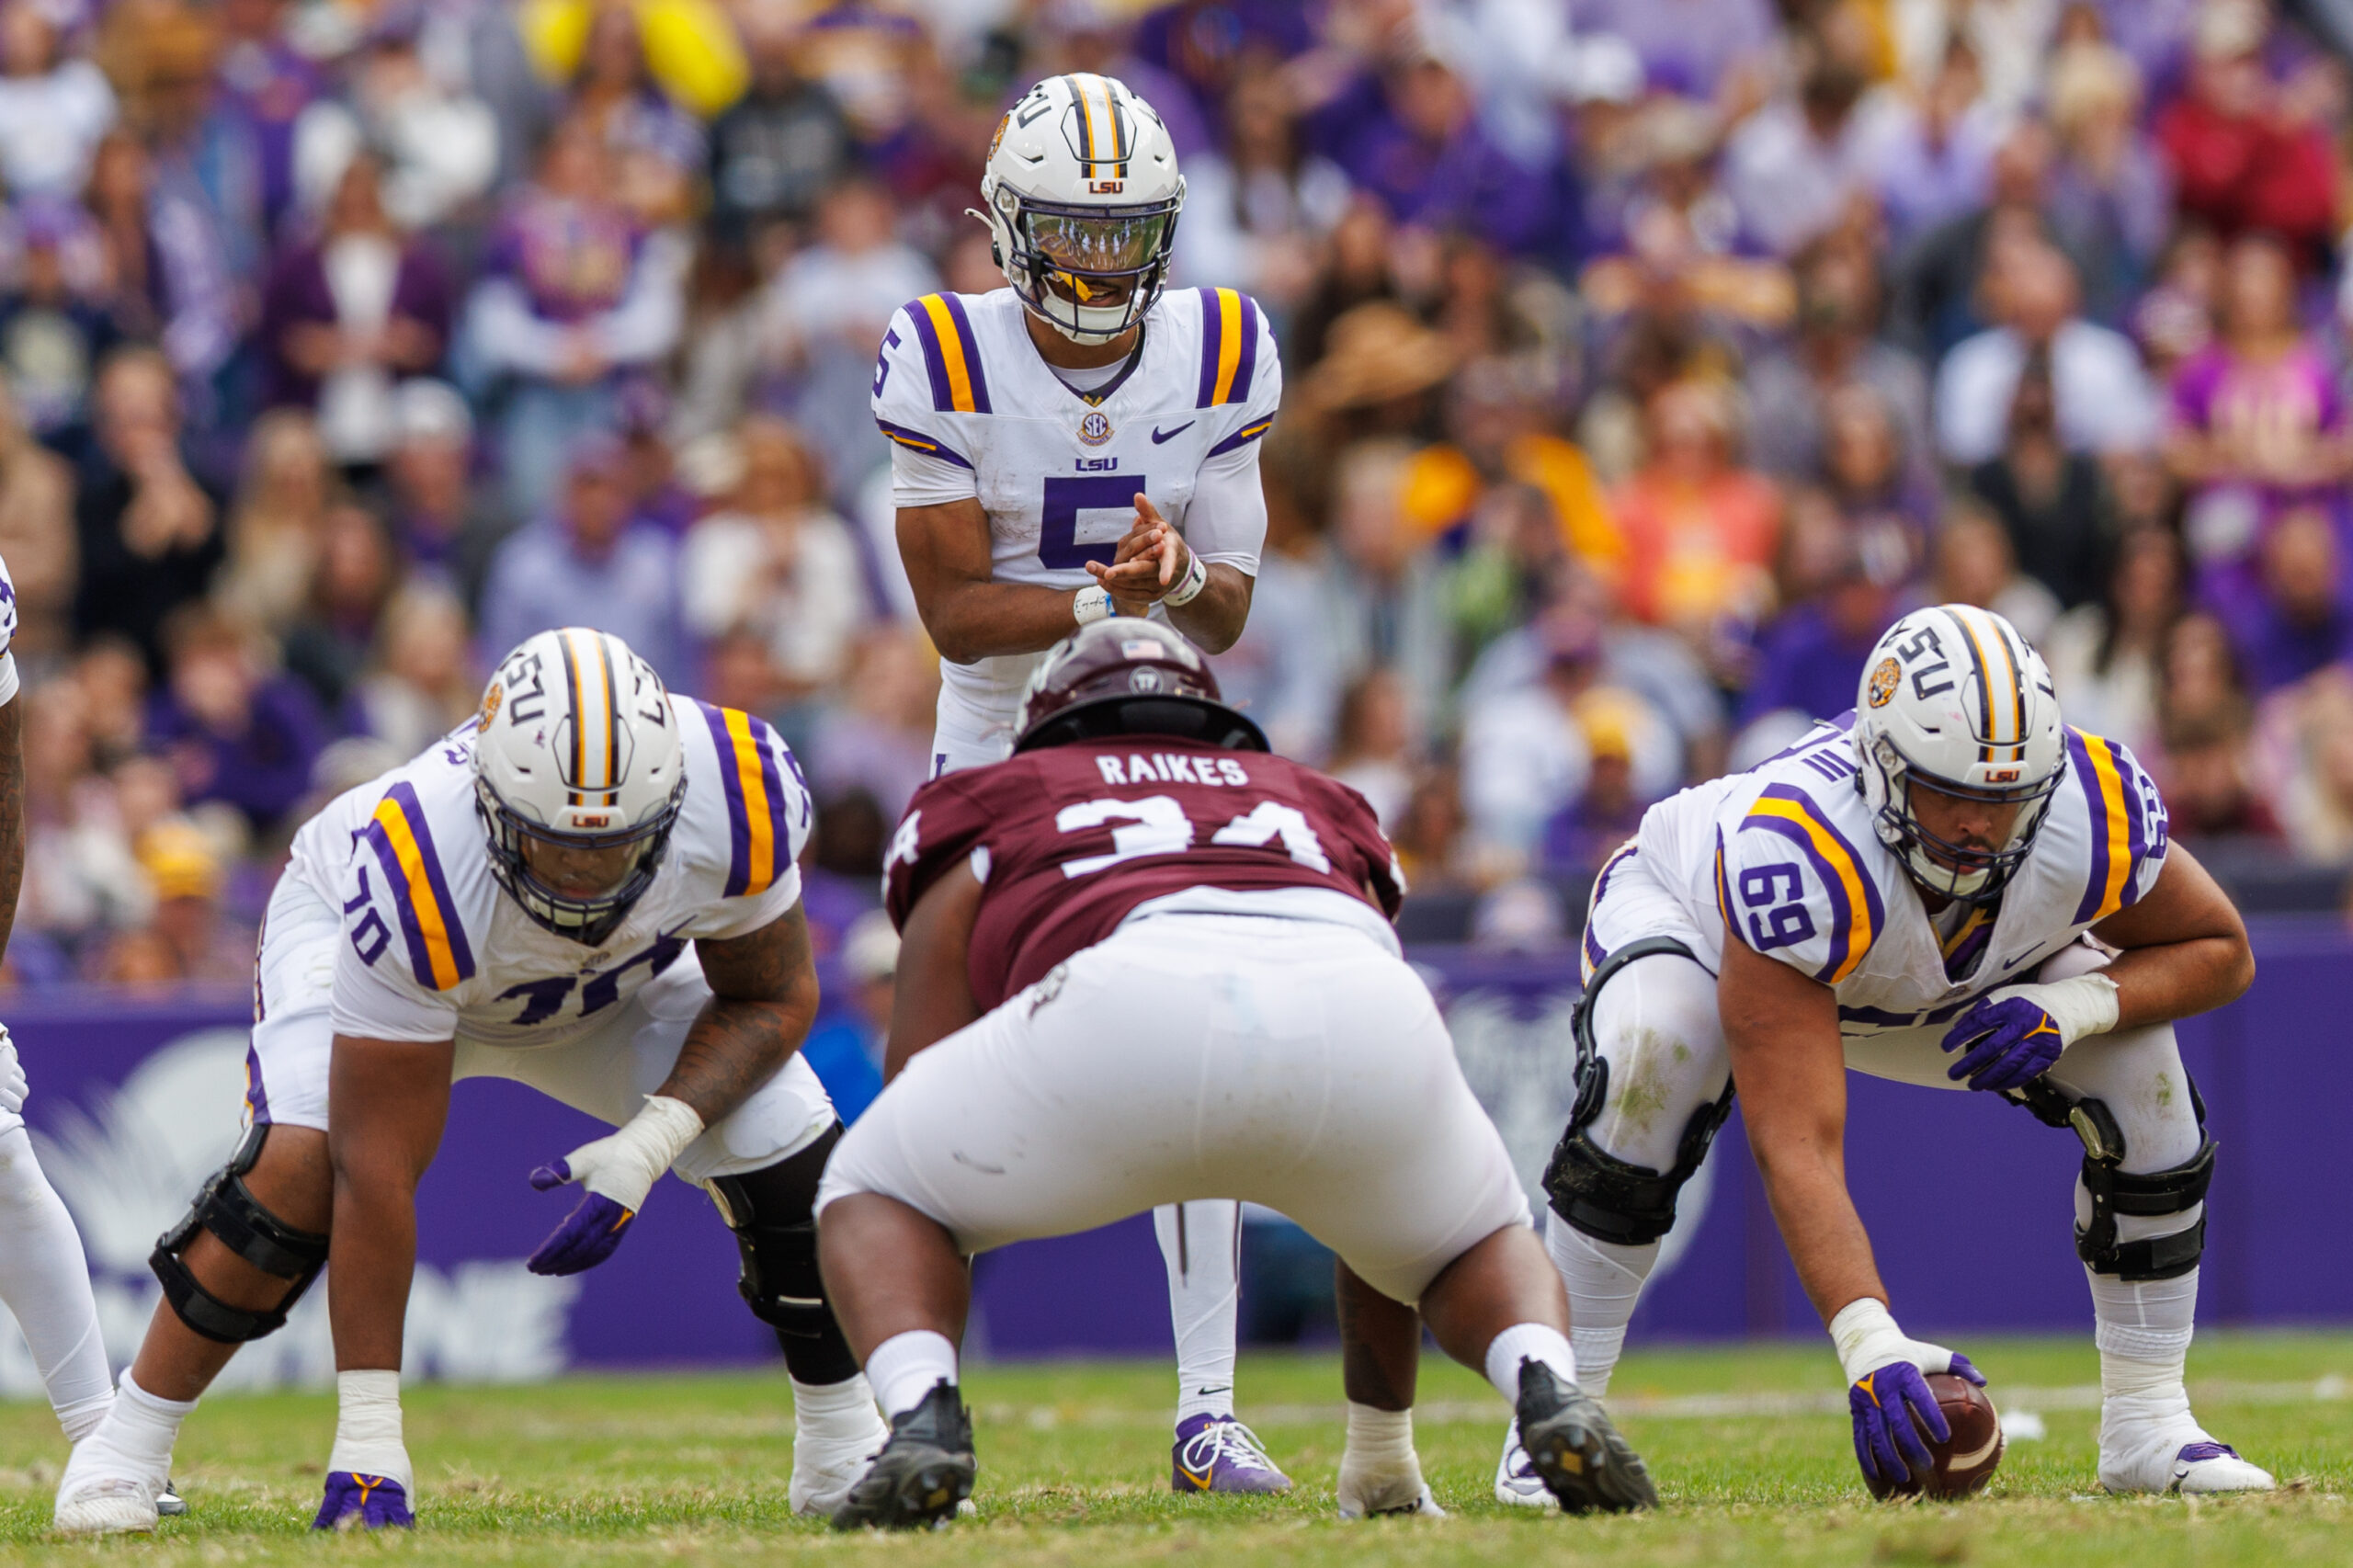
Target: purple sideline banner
1969, 1201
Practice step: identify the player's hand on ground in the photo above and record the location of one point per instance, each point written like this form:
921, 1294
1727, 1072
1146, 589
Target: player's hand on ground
1887, 1389
618, 1170
2013, 1035
12, 1086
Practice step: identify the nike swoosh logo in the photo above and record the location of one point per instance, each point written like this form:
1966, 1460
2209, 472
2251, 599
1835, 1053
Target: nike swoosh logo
1158, 435
2013, 963
1202, 1480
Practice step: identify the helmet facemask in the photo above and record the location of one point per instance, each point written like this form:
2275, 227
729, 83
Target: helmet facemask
1088, 272
1960, 871
587, 920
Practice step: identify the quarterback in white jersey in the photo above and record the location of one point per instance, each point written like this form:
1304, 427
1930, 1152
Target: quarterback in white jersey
590, 888
1080, 444
1947, 869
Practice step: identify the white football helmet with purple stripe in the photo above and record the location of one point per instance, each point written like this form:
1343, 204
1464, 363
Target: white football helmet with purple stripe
577, 762
1081, 198
1954, 699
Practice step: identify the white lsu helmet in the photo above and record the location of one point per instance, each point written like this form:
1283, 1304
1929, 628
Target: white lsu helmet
1081, 198
575, 745
1953, 698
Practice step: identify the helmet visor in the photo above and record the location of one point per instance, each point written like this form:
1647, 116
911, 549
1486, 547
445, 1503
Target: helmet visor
1100, 242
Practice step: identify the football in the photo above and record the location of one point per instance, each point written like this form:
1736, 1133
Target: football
1966, 1463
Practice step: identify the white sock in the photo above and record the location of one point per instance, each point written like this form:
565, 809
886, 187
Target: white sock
2144, 1332
45, 1281
135, 1435
367, 1428
839, 1411
1605, 1281
1535, 1342
907, 1365
1202, 1244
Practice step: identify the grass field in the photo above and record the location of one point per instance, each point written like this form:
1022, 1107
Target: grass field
1752, 1458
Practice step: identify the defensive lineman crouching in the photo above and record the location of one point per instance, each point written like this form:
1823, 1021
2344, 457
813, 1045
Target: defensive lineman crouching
1145, 961
589, 889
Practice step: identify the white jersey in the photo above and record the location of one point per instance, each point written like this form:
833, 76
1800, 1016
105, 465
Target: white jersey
435, 950
973, 411
1786, 855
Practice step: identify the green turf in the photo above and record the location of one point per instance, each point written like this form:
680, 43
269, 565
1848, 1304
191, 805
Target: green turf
1074, 1464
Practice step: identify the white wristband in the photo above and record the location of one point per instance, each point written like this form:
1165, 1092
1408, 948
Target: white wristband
1866, 1337
8, 678
2081, 1005
659, 1133
367, 1428
1197, 577
1092, 604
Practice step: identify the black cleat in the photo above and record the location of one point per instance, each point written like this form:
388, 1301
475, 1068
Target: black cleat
922, 1474
169, 1504
1583, 1460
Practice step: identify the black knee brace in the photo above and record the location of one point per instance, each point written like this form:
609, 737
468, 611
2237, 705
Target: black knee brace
2114, 1191
772, 1213
1597, 1193
227, 1208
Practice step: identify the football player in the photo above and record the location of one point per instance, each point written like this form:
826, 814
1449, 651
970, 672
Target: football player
44, 1277
1081, 444
1146, 961
590, 888
1948, 887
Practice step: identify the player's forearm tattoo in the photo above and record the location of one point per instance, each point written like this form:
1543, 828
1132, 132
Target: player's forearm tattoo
765, 994
12, 813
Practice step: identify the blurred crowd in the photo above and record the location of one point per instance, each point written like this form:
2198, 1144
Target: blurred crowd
1645, 359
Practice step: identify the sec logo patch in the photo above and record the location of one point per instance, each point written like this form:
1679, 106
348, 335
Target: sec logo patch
1095, 428
1883, 679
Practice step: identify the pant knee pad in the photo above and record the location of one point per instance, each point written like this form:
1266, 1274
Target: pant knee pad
1606, 1197
227, 1208
2153, 1195
2115, 1191
772, 1212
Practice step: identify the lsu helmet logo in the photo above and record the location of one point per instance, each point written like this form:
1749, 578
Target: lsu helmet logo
490, 701
1095, 428
998, 140
1883, 679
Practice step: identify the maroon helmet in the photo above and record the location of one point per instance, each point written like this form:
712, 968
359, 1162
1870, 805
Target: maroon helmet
1127, 676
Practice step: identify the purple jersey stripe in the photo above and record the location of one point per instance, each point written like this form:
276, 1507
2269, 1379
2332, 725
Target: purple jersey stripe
1242, 438
1804, 802
1593, 956
1210, 341
1249, 359
739, 814
2096, 809
1842, 912
971, 346
256, 1095
922, 441
420, 956
421, 831
943, 398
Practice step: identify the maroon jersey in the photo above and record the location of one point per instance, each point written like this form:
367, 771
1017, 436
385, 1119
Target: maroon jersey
1076, 836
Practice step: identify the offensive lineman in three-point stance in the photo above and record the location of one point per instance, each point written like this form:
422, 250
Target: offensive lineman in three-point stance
1945, 869
590, 888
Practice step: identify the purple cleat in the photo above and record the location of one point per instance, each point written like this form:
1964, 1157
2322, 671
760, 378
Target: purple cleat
1217, 1453
363, 1503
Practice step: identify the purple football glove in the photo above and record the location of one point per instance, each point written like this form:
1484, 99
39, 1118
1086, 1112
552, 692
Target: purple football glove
1885, 1403
2015, 1042
363, 1501
588, 1234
